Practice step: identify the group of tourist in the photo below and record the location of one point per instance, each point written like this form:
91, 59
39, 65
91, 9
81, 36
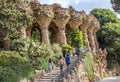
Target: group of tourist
66, 59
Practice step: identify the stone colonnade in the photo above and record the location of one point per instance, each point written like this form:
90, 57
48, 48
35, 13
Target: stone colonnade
62, 18
48, 15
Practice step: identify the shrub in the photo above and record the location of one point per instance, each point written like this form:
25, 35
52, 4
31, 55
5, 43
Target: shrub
88, 65
67, 48
38, 54
76, 38
10, 58
14, 67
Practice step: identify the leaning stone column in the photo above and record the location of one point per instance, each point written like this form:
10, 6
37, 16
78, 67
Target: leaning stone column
97, 26
90, 33
61, 17
84, 27
44, 16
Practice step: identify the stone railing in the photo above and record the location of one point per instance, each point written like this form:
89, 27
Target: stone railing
70, 73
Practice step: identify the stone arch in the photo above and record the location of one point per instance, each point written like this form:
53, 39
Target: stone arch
53, 30
30, 32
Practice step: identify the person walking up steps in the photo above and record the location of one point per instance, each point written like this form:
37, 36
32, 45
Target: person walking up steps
78, 51
61, 64
50, 66
67, 59
64, 53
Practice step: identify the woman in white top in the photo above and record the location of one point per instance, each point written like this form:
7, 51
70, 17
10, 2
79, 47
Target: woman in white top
50, 66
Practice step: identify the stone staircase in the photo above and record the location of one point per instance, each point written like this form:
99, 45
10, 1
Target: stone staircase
56, 75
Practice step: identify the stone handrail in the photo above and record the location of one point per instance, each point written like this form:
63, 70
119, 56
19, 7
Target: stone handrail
69, 70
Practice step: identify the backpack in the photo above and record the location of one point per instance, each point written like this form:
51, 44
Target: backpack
67, 60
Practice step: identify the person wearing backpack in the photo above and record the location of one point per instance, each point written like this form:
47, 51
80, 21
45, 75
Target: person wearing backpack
67, 59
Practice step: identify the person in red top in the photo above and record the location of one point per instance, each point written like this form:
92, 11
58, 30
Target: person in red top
61, 63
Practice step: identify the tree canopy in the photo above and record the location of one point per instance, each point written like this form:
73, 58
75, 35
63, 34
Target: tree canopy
109, 38
116, 5
104, 15
11, 18
109, 34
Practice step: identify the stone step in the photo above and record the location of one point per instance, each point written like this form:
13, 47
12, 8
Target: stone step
49, 80
56, 74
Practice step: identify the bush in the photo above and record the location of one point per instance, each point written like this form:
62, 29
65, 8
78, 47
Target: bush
10, 58
76, 38
38, 54
88, 65
14, 67
67, 48
11, 19
109, 38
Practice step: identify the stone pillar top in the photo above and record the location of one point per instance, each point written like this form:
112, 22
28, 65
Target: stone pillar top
85, 22
61, 16
46, 11
44, 14
76, 19
93, 23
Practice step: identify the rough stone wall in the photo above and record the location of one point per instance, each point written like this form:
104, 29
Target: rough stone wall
47, 15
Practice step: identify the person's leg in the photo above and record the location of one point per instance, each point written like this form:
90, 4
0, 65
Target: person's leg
50, 73
67, 67
61, 70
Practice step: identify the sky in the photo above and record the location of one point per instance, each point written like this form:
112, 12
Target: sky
79, 5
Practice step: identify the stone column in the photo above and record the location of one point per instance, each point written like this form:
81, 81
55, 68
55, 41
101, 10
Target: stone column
6, 43
97, 26
23, 31
84, 26
90, 33
91, 38
85, 36
61, 38
43, 18
61, 18
28, 32
45, 36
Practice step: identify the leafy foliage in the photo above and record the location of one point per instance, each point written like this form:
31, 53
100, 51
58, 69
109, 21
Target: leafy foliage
104, 16
88, 65
109, 38
9, 58
67, 48
38, 54
116, 5
108, 35
13, 67
76, 38
11, 19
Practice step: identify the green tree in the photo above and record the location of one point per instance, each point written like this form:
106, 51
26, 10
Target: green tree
109, 34
116, 5
109, 38
104, 16
71, 7
11, 18
76, 38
